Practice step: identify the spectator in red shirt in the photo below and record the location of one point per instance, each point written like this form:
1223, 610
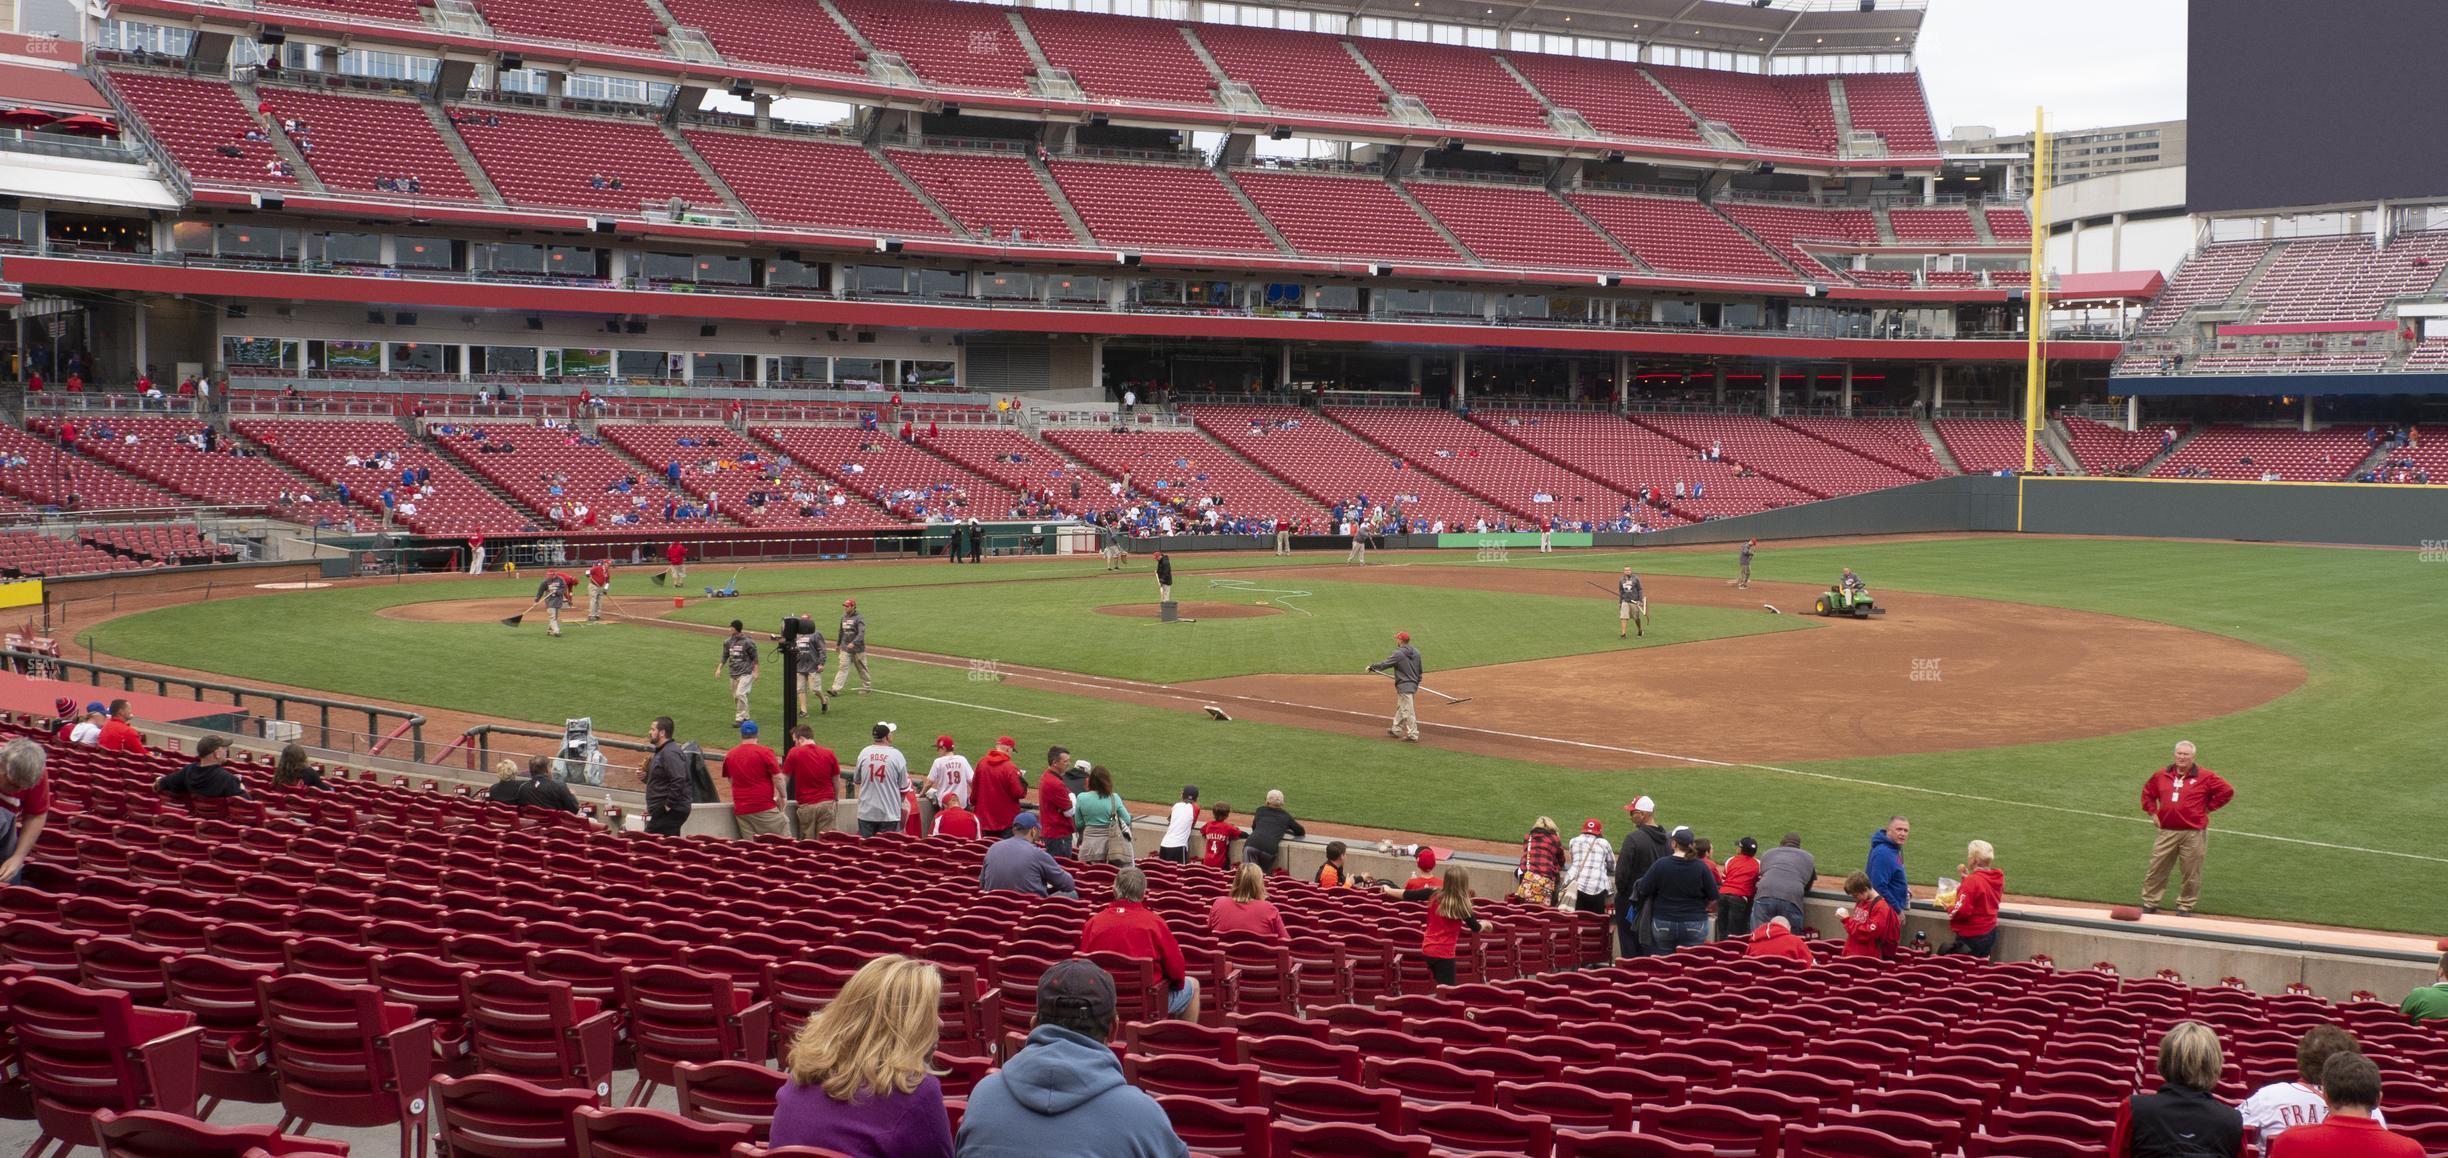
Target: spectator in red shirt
1055, 810
953, 820
1000, 790
1449, 912
1130, 928
751, 768
1777, 939
2181, 797
118, 733
1975, 919
1872, 928
1739, 880
1424, 878
815, 776
1246, 909
25, 804
1220, 834
2350, 1083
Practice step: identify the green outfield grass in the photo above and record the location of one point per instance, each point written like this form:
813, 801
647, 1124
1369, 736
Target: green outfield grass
2347, 769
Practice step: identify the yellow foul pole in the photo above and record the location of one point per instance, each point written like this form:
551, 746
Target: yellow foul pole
2035, 366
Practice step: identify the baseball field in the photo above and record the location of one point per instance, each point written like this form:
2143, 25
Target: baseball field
2019, 690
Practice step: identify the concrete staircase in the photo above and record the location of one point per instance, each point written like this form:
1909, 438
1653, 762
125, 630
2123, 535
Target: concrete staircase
705, 171
915, 190
1980, 225
1824, 275
281, 144
2170, 452
1937, 445
1592, 225
2053, 436
1054, 193
1886, 227
1251, 207
475, 173
1451, 238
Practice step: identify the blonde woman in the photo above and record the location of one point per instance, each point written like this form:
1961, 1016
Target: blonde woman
2184, 1118
1449, 912
859, 1081
1974, 920
1246, 909
506, 786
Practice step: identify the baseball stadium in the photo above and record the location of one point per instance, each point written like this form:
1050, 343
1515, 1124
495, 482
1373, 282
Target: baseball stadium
627, 579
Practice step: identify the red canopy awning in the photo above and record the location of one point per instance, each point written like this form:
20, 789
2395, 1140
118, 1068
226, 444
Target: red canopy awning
85, 124
2122, 286
27, 118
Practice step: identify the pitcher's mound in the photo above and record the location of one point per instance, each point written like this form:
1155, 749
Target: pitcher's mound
1189, 610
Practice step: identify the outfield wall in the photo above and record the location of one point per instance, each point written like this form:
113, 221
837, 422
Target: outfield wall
2357, 514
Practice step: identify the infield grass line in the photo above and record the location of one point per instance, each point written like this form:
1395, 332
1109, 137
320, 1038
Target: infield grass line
1289, 594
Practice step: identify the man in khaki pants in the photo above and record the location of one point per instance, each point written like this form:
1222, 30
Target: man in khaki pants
739, 662
2181, 797
1405, 666
815, 776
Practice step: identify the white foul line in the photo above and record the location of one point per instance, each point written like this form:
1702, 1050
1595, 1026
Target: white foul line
976, 707
1288, 594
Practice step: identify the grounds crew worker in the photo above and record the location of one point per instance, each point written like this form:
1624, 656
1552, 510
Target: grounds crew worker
850, 643
739, 661
1164, 577
599, 584
1744, 583
808, 665
1405, 664
1631, 607
677, 556
555, 592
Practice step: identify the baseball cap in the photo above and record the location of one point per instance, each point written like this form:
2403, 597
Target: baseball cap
1748, 845
1024, 820
1592, 827
1641, 804
97, 706
748, 727
1682, 836
1077, 986
943, 742
1189, 791
849, 602
1427, 859
1402, 637
1082, 765
1006, 742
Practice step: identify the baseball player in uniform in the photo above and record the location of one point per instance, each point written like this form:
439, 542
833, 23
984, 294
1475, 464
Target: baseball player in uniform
1405, 664
1547, 537
850, 643
807, 663
555, 592
1631, 606
1744, 583
599, 584
739, 661
1164, 577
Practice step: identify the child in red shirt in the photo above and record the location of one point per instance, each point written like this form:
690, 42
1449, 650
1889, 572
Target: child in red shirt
1449, 912
1872, 928
1735, 889
1421, 879
1220, 835
954, 820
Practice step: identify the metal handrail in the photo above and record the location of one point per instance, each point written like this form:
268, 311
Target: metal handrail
129, 678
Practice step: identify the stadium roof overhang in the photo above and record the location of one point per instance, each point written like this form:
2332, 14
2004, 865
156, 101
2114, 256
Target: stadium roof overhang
2121, 286
1778, 27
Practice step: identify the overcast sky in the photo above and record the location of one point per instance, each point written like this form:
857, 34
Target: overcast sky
2089, 62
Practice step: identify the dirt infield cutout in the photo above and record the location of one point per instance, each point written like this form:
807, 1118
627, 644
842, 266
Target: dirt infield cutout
1191, 610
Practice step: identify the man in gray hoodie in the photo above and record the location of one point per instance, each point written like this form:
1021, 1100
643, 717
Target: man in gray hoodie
1405, 666
850, 646
1063, 1093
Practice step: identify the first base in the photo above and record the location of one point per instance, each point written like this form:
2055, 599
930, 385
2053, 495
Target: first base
1216, 713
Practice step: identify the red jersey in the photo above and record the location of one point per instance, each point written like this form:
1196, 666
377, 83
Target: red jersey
1873, 930
1976, 903
957, 821
676, 554
1132, 930
999, 791
1258, 918
751, 768
1741, 876
1778, 941
1443, 935
1220, 834
2344, 1138
2185, 802
120, 736
27, 805
815, 773
598, 574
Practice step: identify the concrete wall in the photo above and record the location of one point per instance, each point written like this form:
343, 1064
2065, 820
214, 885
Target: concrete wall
2347, 513
1964, 503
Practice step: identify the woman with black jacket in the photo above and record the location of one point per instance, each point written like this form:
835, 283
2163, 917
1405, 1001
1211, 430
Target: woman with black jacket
2184, 1119
1679, 892
1268, 826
